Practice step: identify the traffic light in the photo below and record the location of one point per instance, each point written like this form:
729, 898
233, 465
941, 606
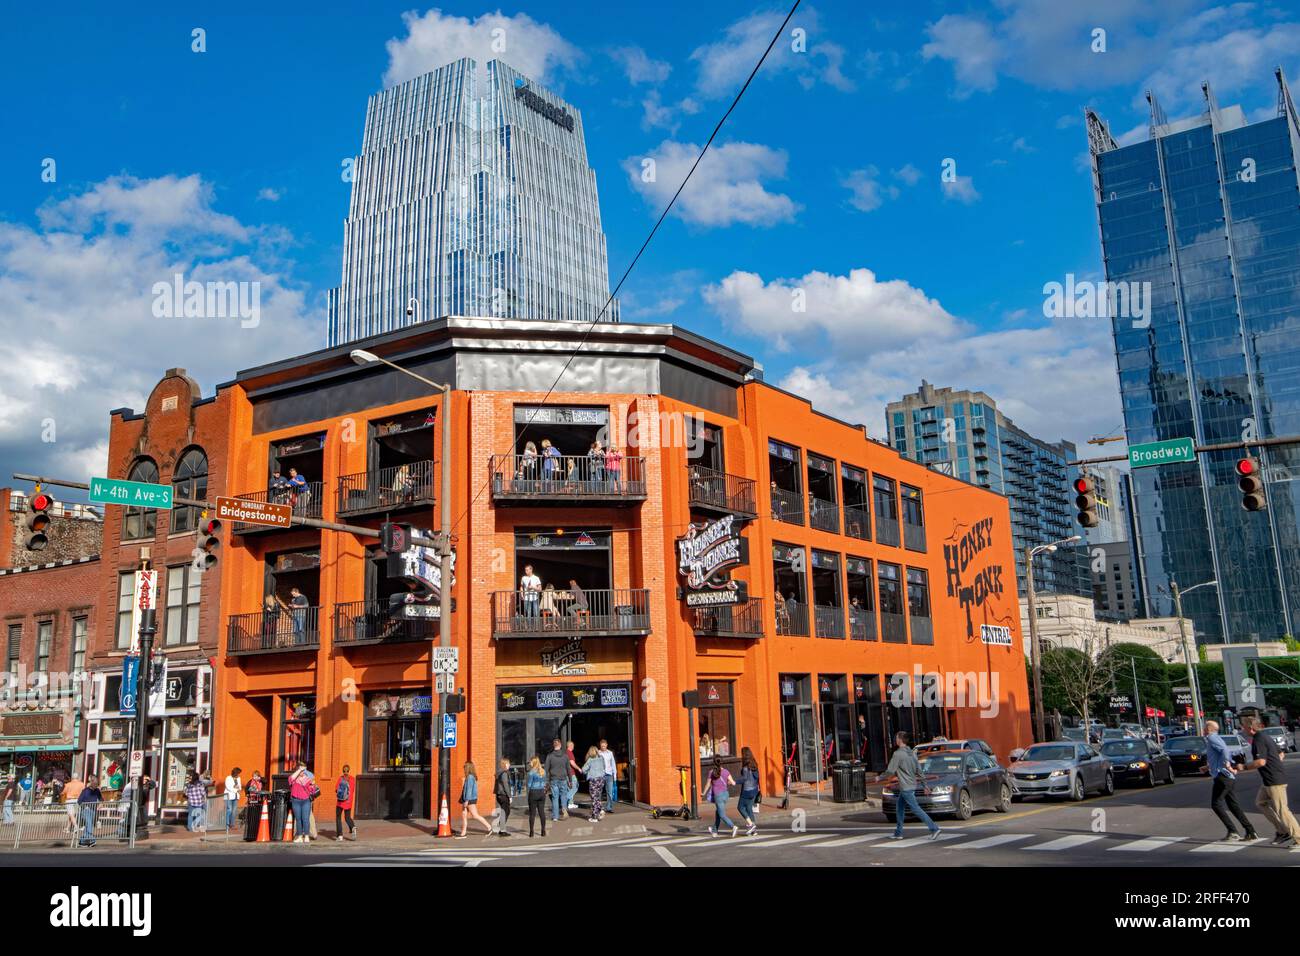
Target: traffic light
395, 538
1250, 479
1086, 501
38, 520
207, 545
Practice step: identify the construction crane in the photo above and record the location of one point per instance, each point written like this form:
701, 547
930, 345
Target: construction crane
1099, 440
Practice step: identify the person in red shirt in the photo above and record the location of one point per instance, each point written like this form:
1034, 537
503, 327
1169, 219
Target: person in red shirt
345, 795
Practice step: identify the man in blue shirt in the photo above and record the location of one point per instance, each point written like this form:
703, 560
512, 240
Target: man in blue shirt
1223, 799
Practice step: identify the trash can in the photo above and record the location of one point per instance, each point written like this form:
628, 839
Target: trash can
840, 776
279, 813
253, 815
857, 781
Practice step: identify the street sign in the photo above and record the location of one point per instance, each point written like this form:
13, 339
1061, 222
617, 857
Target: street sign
1171, 452
130, 677
443, 683
135, 767
255, 512
446, 660
449, 731
133, 494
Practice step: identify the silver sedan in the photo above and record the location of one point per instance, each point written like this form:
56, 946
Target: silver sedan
1065, 768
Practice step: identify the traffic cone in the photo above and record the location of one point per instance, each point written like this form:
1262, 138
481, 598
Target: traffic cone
444, 820
287, 835
264, 825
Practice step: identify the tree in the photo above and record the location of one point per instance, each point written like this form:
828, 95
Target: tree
1078, 676
1129, 660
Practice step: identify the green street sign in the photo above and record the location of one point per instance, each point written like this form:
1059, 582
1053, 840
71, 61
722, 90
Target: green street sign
1171, 452
132, 494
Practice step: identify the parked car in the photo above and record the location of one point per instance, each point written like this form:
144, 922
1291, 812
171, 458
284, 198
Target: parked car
1173, 730
1116, 733
1137, 730
1136, 760
943, 743
1065, 768
1238, 749
1079, 735
1284, 739
959, 782
1187, 754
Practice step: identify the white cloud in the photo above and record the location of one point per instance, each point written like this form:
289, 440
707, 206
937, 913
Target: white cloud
971, 47
725, 64
962, 189
908, 174
727, 187
268, 194
435, 39
638, 66
81, 282
657, 114
866, 189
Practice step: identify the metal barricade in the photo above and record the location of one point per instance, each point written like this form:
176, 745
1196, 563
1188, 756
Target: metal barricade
39, 826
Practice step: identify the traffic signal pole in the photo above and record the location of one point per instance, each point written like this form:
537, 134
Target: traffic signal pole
444, 597
1187, 658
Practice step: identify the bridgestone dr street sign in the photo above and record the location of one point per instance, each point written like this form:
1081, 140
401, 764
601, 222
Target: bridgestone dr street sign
132, 494
255, 512
1171, 452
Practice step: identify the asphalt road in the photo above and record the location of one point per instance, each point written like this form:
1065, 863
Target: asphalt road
1169, 826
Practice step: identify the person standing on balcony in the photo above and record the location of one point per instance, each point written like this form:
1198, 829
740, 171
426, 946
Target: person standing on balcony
596, 464
550, 464
528, 463
279, 489
298, 603
614, 469
530, 592
579, 607
297, 489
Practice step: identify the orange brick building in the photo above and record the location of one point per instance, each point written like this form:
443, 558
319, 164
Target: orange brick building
897, 605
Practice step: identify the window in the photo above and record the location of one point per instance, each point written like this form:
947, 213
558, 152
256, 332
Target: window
125, 598
886, 500
14, 648
298, 743
889, 587
717, 720
44, 638
189, 480
80, 632
183, 586
913, 519
397, 737
918, 606
140, 523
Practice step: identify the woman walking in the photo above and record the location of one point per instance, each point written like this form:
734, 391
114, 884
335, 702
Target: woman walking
469, 802
594, 769
717, 788
536, 794
345, 795
748, 789
501, 792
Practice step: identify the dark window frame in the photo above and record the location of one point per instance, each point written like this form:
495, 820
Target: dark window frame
143, 520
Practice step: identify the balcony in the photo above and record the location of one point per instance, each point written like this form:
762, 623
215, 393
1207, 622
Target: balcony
857, 523
738, 620
893, 628
787, 506
358, 623
862, 624
829, 621
387, 489
305, 504
524, 480
259, 633
887, 531
717, 491
922, 630
914, 536
621, 612
824, 515
791, 620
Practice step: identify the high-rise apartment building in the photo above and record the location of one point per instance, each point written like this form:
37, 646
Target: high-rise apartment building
1201, 221
472, 196
963, 434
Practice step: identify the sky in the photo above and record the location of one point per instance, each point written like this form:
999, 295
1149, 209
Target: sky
820, 234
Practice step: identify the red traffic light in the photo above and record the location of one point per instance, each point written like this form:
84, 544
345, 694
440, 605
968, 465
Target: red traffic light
1082, 485
42, 501
1247, 466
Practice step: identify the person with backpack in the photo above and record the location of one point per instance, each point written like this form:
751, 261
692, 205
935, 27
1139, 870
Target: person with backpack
717, 789
469, 802
536, 794
344, 798
748, 789
501, 791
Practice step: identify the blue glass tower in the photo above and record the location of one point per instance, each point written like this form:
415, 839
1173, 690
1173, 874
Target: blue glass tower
1207, 211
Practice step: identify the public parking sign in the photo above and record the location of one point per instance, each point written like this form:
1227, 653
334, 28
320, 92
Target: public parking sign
449, 731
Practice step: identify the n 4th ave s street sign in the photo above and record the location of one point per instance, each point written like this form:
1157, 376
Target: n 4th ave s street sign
133, 494
1171, 452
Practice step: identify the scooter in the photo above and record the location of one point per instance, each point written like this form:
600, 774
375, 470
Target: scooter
684, 811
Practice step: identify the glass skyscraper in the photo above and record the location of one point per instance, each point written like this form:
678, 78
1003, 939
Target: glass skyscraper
1207, 211
472, 196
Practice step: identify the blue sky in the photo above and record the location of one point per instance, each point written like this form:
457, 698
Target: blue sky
225, 164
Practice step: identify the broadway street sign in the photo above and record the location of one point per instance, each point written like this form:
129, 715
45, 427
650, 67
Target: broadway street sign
132, 494
1174, 451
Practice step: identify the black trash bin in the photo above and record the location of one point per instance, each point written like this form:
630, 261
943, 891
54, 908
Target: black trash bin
253, 815
840, 778
857, 782
279, 813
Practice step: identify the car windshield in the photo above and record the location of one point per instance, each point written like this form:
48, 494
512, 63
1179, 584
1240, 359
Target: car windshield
940, 745
1072, 734
1118, 747
1049, 752
1274, 731
1185, 744
1112, 734
1232, 740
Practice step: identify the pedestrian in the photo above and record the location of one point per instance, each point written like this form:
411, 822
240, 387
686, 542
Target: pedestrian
196, 797
345, 794
270, 621
530, 592
10, 795
716, 790
298, 605
905, 770
536, 795
255, 786
574, 769
611, 776
1272, 799
550, 464
1223, 797
71, 791
302, 787
87, 804
469, 802
594, 770
124, 800
234, 783
297, 486
557, 778
749, 790
596, 464
501, 792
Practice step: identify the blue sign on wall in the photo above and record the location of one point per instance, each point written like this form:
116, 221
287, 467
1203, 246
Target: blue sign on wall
424, 705
130, 679
449, 730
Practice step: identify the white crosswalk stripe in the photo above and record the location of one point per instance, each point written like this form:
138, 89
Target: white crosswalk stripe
1222, 847
919, 841
1147, 844
999, 839
1066, 842
849, 841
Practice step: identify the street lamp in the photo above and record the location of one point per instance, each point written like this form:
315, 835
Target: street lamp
362, 357
1035, 657
1193, 679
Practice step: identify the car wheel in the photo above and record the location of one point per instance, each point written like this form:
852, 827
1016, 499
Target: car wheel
1004, 800
964, 806
1151, 778
1108, 785
1076, 789
1171, 776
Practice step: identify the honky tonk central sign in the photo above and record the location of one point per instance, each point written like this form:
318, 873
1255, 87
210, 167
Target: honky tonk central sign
705, 552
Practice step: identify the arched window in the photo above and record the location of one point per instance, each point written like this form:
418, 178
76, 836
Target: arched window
140, 523
189, 480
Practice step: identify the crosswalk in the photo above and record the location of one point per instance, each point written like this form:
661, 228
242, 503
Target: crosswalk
664, 849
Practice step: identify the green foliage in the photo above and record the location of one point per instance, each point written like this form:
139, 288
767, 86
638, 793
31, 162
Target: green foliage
1153, 676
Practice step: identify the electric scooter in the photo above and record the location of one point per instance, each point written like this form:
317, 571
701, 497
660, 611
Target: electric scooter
684, 811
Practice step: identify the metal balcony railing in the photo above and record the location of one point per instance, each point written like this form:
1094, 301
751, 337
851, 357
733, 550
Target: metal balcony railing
922, 629
387, 489
893, 628
824, 515
887, 531
619, 612
263, 632
737, 620
828, 621
566, 478
305, 504
787, 506
791, 620
862, 624
369, 622
913, 536
857, 523
722, 492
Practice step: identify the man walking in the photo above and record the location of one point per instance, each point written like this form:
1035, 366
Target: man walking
1223, 797
557, 779
1272, 799
611, 775
905, 770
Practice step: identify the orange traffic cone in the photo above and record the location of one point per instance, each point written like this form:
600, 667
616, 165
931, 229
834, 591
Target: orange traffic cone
287, 835
444, 820
264, 825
